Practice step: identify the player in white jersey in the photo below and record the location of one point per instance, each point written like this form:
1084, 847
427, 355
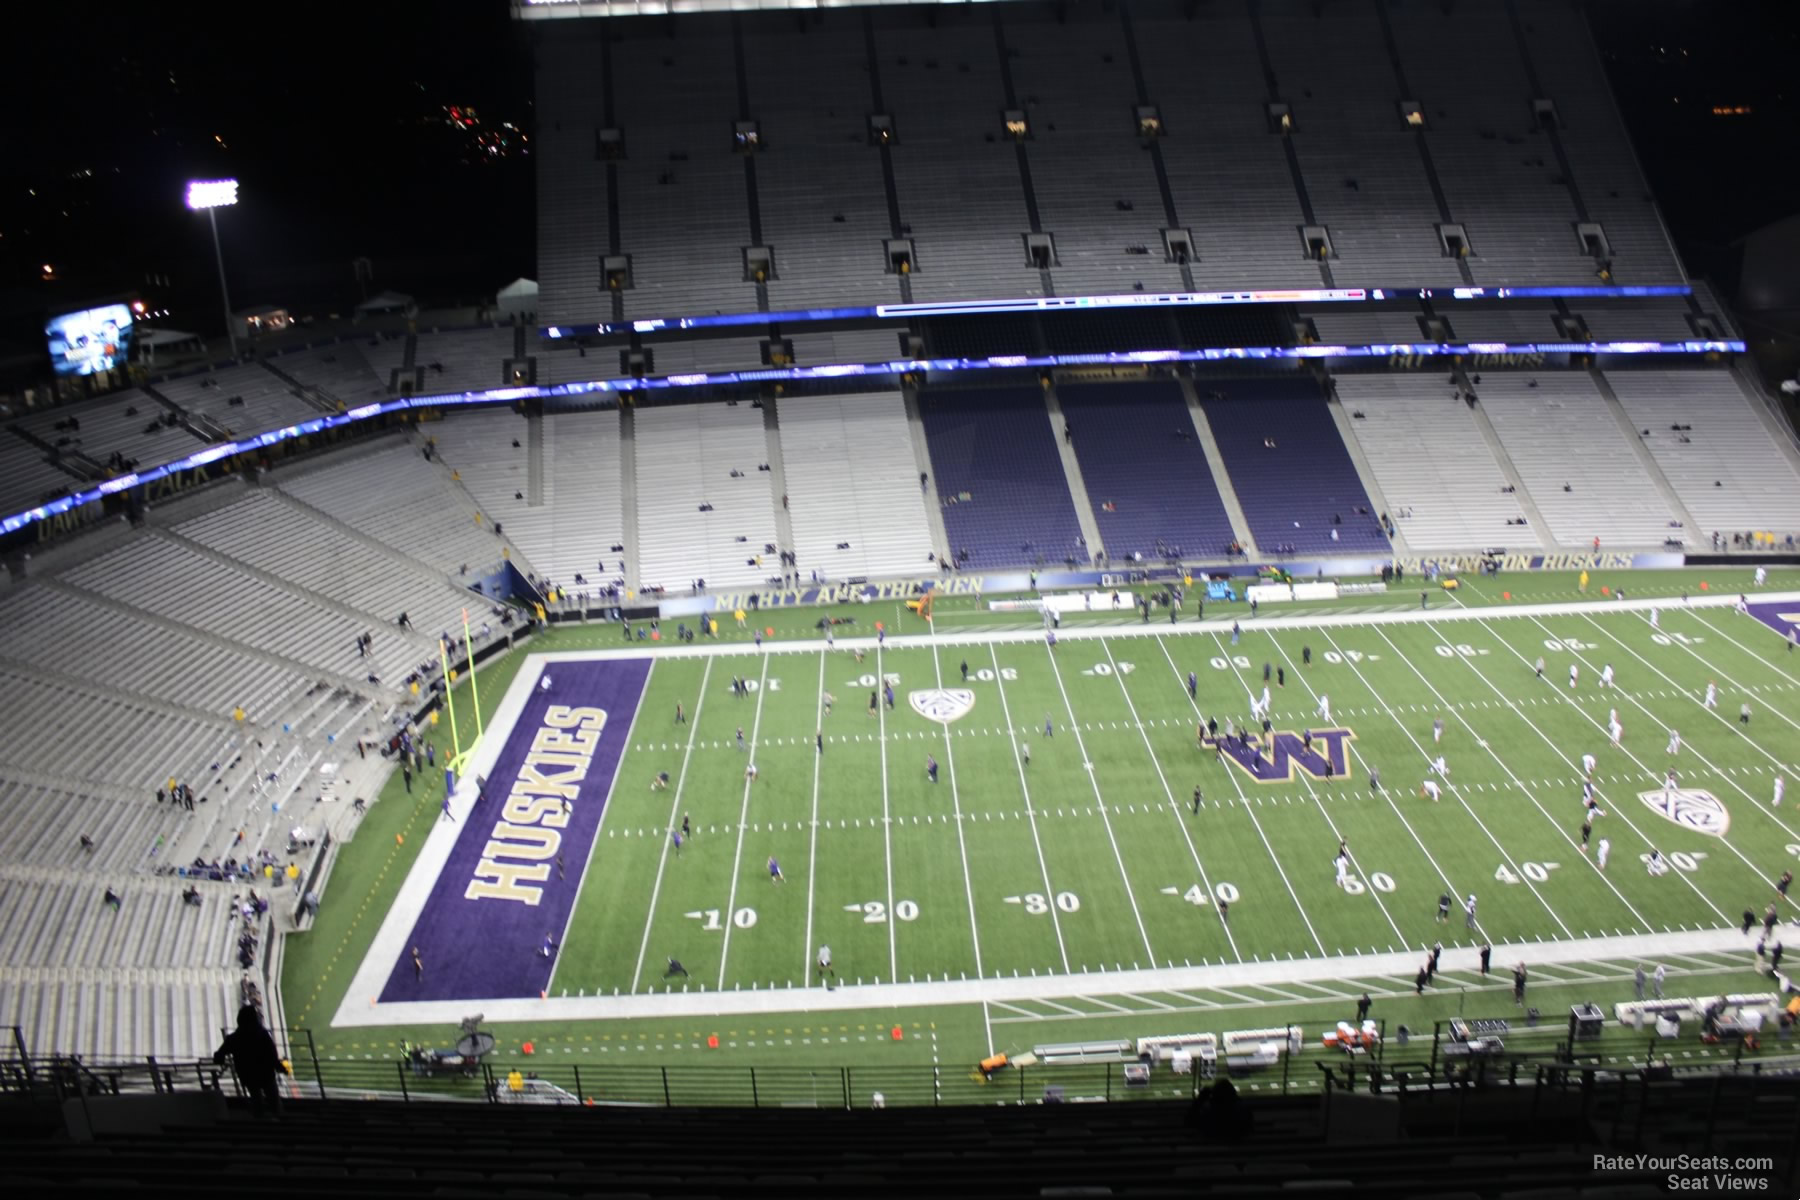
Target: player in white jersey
1655, 619
1656, 864
1712, 694
1780, 787
1265, 700
1606, 676
1604, 849
1616, 730
1441, 767
1587, 765
1762, 576
1437, 730
1574, 675
1430, 788
1324, 712
1674, 746
1669, 784
1342, 863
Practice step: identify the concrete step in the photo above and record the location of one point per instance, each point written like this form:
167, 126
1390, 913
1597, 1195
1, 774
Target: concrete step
778, 489
1652, 471
628, 489
1215, 462
1084, 508
934, 503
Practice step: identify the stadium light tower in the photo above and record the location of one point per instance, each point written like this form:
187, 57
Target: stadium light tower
212, 195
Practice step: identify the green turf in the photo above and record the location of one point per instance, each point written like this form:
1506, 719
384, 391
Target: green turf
1103, 848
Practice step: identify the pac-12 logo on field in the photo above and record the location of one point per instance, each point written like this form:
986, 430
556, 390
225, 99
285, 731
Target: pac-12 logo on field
942, 705
1690, 808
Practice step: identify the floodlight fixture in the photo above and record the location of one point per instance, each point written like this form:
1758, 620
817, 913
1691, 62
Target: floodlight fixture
211, 193
208, 196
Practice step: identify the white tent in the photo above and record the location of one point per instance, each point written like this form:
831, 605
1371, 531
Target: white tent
386, 303
518, 298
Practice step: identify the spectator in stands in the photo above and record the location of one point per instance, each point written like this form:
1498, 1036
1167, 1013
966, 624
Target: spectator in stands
192, 895
254, 1059
87, 843
113, 898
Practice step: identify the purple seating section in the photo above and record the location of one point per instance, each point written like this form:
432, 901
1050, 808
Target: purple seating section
1138, 452
1290, 493
996, 445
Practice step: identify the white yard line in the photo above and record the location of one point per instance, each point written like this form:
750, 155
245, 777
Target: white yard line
674, 807
1372, 890
1508, 702
962, 846
812, 845
1030, 813
1187, 834
737, 856
1722, 775
1243, 799
1721, 718
1453, 789
887, 817
1772, 664
1100, 801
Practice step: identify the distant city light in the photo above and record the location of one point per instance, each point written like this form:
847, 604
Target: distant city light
215, 193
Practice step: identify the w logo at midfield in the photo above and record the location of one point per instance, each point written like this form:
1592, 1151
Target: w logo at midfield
1274, 759
1690, 808
942, 705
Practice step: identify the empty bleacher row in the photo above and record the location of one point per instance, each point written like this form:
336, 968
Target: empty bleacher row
1148, 481
1732, 470
691, 200
1586, 478
579, 520
240, 399
1444, 487
100, 1013
27, 477
854, 496
1519, 1143
1299, 489
339, 371
61, 919
127, 422
406, 501
999, 478
705, 505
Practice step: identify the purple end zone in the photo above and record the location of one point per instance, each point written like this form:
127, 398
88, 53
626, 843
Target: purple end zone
1781, 617
491, 947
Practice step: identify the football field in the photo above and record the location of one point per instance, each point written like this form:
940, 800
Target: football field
1058, 853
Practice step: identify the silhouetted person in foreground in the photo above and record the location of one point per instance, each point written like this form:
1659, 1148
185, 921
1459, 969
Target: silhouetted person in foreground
1215, 1111
254, 1059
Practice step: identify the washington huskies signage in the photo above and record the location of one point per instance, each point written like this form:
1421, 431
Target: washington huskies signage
942, 705
1272, 759
1690, 808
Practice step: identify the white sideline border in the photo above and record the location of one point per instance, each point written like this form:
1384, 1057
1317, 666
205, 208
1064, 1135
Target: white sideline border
360, 1007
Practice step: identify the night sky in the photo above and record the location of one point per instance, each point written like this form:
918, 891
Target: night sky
334, 117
